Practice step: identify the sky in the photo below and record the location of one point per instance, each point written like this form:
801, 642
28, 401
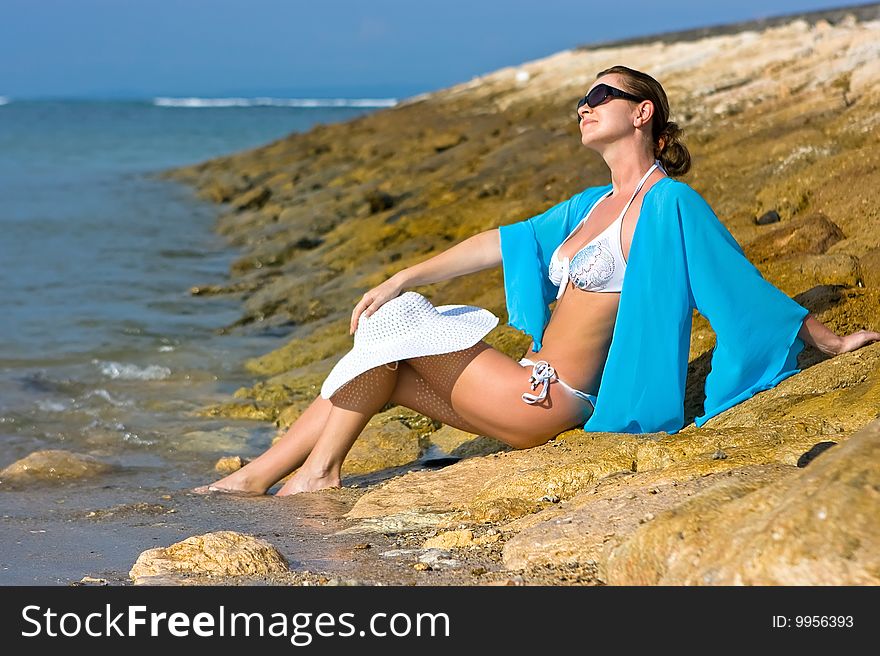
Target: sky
307, 48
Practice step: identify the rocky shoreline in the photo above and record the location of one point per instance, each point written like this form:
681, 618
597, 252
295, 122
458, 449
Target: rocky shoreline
782, 122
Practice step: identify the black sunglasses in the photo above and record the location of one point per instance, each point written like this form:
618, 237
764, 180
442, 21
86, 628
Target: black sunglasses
600, 93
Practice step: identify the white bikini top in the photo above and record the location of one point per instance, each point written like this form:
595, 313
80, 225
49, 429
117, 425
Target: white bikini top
600, 265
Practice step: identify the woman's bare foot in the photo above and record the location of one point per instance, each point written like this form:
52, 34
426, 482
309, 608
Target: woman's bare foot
302, 481
236, 483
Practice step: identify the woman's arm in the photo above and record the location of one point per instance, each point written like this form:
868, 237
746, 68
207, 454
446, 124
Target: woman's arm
816, 334
482, 251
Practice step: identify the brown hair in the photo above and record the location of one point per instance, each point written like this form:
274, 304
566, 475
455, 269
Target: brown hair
668, 148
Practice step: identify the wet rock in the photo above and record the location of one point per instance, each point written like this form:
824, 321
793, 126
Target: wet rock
241, 410
817, 526
221, 188
228, 438
229, 464
92, 581
221, 553
52, 465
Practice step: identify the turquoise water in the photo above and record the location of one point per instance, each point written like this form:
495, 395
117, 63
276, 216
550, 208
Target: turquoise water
102, 348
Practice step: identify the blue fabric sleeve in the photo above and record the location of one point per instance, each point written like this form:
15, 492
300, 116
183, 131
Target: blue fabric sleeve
756, 324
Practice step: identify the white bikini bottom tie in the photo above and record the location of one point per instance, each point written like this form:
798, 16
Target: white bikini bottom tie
542, 372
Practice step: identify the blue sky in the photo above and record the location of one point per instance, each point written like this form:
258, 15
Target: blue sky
292, 48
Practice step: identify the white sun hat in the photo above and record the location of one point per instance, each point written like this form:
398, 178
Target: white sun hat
408, 326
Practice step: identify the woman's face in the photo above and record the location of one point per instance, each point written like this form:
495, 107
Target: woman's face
609, 121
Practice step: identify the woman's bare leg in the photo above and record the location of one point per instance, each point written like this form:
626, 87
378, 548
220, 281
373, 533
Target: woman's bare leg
289, 453
352, 408
281, 458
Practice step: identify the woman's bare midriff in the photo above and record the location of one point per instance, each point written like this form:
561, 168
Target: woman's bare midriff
578, 336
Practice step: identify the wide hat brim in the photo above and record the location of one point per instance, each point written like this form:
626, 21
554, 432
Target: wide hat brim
455, 327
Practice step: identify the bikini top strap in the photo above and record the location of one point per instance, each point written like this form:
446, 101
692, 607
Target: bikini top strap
638, 188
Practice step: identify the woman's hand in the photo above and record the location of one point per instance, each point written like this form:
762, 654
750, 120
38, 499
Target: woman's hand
857, 340
816, 334
374, 299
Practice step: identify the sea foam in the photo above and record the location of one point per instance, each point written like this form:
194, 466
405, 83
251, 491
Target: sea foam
133, 372
274, 102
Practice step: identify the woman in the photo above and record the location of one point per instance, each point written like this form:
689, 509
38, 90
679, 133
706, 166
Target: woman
576, 253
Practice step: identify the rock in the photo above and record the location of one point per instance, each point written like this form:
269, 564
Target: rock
91, 580
241, 410
869, 265
229, 464
438, 559
503, 486
222, 553
812, 234
450, 539
768, 217
817, 526
252, 199
461, 444
53, 465
837, 396
227, 438
379, 201
797, 273
221, 187
584, 529
382, 444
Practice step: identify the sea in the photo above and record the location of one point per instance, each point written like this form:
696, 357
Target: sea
103, 349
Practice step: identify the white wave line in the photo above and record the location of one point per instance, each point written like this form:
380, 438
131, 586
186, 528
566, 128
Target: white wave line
164, 101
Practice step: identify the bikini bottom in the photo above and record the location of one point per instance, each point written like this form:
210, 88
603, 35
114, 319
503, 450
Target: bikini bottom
542, 372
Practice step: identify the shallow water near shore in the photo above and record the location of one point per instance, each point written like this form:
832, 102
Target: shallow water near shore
103, 350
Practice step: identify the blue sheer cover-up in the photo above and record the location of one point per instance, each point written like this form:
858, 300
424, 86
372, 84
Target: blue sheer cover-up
682, 257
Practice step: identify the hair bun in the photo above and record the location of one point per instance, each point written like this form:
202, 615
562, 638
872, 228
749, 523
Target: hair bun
671, 152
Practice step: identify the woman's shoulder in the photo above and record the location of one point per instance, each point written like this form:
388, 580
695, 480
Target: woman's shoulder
671, 189
671, 194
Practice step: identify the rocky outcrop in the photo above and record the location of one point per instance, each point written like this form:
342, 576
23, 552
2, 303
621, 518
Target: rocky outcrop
817, 526
586, 529
783, 126
221, 553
